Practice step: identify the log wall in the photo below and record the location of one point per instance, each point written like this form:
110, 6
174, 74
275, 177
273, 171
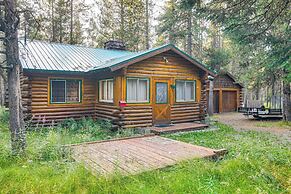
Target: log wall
171, 66
181, 113
167, 65
136, 116
41, 112
107, 111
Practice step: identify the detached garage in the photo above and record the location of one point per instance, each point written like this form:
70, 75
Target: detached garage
227, 93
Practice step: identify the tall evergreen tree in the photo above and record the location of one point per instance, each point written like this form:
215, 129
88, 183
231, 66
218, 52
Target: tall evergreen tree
180, 24
53, 20
124, 20
264, 23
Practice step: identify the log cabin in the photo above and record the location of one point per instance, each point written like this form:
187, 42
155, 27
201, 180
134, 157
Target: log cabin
227, 93
162, 85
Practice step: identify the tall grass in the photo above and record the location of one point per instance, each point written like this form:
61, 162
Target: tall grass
256, 163
47, 144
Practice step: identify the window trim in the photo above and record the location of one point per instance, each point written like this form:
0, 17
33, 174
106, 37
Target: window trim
81, 82
148, 90
99, 88
195, 91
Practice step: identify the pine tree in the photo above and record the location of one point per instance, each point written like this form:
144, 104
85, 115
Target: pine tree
53, 20
123, 20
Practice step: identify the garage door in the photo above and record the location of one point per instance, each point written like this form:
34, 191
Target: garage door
229, 101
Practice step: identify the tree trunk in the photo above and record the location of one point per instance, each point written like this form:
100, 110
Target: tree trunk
18, 140
171, 30
122, 31
53, 23
200, 39
246, 97
147, 33
2, 91
16, 122
286, 101
210, 98
71, 25
189, 33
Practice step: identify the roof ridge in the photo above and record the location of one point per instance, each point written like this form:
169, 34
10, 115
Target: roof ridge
75, 45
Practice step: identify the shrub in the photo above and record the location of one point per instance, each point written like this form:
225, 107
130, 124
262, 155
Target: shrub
4, 116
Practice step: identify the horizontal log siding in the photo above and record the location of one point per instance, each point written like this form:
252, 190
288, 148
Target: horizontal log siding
43, 113
181, 113
176, 68
107, 111
203, 100
136, 116
26, 96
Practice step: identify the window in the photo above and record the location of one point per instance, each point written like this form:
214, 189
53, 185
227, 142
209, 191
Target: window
185, 91
106, 90
65, 91
137, 90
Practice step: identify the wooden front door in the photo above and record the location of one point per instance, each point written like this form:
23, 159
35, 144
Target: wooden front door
161, 101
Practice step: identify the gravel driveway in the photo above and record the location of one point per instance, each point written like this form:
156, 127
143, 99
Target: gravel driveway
241, 122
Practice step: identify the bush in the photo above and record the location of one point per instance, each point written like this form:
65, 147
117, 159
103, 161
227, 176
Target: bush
4, 116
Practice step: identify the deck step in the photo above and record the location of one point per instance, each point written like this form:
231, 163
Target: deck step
182, 127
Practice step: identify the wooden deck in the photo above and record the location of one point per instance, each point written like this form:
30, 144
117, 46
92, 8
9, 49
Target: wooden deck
182, 127
136, 155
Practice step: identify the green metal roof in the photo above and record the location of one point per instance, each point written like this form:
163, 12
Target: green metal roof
40, 55
118, 60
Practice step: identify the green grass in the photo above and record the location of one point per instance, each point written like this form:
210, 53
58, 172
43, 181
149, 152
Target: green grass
256, 163
282, 124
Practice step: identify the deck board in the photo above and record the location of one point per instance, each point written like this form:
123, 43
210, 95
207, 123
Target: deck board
136, 155
182, 127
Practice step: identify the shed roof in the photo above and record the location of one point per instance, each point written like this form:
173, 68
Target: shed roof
223, 72
41, 55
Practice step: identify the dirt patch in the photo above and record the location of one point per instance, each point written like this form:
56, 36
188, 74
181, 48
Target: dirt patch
241, 122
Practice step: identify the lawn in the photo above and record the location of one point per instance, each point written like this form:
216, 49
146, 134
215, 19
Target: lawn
284, 124
256, 163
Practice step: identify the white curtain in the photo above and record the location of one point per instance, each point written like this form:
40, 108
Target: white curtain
131, 90
137, 90
103, 90
142, 90
185, 90
110, 90
106, 90
180, 91
189, 91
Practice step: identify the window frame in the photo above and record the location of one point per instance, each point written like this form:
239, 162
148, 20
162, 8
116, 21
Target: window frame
148, 90
99, 89
194, 91
64, 80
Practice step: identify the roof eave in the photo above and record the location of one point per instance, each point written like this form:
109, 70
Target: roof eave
159, 51
140, 58
27, 70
